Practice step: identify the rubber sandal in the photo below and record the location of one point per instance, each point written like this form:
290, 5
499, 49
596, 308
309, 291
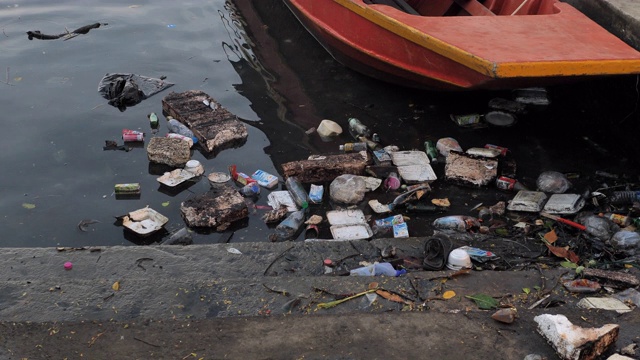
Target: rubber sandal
436, 252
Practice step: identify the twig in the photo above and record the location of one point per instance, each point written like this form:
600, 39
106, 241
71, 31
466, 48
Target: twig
94, 338
282, 292
515, 242
276, 259
148, 343
539, 302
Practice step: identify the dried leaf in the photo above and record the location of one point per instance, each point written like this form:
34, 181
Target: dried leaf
484, 301
116, 286
551, 236
441, 202
564, 253
392, 297
448, 294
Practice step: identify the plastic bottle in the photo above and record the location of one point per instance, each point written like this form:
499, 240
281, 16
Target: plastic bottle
371, 144
177, 127
377, 269
250, 189
392, 182
153, 120
298, 193
431, 151
357, 129
289, 227
353, 147
621, 220
456, 222
624, 197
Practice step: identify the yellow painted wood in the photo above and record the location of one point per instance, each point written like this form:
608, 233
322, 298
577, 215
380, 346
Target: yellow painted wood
487, 67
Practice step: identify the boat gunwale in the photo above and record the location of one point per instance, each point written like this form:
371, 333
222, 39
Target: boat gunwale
381, 15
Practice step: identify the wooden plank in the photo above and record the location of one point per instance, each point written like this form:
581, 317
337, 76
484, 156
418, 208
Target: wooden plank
474, 8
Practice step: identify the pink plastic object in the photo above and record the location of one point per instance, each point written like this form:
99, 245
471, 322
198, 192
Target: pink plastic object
68, 265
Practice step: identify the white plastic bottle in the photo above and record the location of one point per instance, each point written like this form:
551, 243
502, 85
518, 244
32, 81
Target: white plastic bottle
177, 127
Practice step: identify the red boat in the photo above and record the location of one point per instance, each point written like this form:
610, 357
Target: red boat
466, 44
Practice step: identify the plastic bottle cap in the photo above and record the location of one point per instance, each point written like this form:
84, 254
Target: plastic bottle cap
328, 262
192, 163
68, 265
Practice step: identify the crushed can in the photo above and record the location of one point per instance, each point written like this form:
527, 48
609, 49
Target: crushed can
132, 135
127, 189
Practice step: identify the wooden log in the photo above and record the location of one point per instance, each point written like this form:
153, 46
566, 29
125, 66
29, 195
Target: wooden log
325, 168
215, 208
617, 277
215, 127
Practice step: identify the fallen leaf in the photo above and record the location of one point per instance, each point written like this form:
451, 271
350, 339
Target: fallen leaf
551, 236
568, 265
17, 79
526, 290
166, 203
28, 206
484, 301
441, 202
564, 253
392, 297
116, 286
448, 294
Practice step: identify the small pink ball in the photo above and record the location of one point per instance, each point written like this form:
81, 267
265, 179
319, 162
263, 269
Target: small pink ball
68, 265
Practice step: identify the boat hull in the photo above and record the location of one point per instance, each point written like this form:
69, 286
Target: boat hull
386, 44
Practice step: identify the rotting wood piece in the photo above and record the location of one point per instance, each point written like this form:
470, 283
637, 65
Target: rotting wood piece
215, 127
215, 208
326, 167
613, 276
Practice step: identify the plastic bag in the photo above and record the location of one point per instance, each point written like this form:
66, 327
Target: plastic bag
124, 90
553, 182
625, 242
347, 189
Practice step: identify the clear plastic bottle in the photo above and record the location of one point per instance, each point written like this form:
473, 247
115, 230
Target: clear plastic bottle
456, 222
298, 193
353, 147
358, 129
177, 127
289, 227
377, 269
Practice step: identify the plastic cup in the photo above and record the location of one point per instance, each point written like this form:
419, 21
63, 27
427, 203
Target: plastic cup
458, 259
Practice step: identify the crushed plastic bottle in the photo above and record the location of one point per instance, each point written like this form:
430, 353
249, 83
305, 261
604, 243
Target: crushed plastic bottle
289, 227
177, 127
377, 269
358, 129
298, 193
456, 222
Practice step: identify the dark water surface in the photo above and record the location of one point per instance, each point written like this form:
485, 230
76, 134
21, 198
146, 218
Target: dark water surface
259, 63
